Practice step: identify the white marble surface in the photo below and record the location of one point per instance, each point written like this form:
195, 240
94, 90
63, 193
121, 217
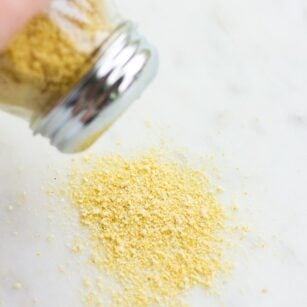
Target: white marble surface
233, 84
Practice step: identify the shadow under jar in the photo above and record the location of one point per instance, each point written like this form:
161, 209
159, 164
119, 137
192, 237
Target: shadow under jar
73, 69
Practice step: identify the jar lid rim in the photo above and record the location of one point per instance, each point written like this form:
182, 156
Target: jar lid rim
124, 66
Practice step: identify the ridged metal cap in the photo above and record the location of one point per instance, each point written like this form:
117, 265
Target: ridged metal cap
126, 63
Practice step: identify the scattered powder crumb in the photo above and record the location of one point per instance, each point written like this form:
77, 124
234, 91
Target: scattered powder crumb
17, 285
87, 282
38, 253
77, 247
100, 284
119, 142
155, 225
50, 192
35, 301
10, 208
242, 291
21, 198
92, 299
218, 190
264, 291
50, 238
234, 208
148, 123
20, 169
87, 158
245, 229
61, 269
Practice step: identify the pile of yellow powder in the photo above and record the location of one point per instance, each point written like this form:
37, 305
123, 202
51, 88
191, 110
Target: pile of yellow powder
155, 226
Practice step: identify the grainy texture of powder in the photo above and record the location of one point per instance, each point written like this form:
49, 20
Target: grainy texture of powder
44, 55
44, 60
155, 226
39, 65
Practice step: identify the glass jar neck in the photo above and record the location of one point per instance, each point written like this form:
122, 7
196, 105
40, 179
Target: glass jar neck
124, 65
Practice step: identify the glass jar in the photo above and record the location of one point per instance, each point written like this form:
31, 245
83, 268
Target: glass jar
73, 70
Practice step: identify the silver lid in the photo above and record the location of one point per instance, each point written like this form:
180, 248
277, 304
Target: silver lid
126, 64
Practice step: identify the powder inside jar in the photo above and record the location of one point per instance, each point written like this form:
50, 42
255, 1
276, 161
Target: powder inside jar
48, 57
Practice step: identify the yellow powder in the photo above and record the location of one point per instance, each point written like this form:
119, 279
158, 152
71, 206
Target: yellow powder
43, 54
43, 62
17, 285
41, 59
155, 225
